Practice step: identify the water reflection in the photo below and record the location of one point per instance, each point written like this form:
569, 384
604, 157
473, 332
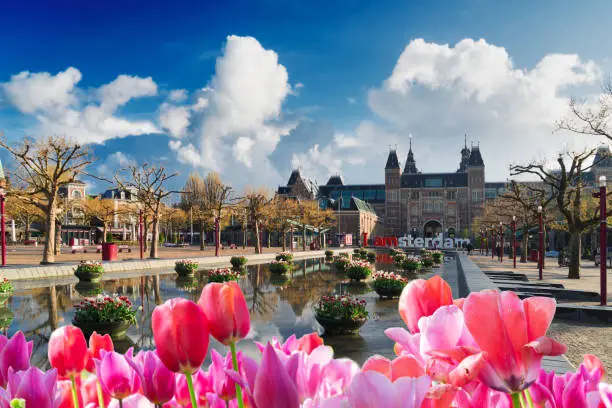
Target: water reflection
279, 306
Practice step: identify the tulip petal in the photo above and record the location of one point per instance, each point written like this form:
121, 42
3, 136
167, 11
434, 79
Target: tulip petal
273, 386
539, 312
378, 363
406, 366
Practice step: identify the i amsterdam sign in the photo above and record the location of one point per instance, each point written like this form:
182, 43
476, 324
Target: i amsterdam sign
407, 241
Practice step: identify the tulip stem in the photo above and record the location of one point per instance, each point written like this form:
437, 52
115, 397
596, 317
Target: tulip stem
120, 403
100, 395
516, 400
75, 396
194, 401
235, 364
528, 399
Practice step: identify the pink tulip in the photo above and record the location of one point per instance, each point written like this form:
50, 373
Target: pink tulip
422, 298
374, 390
133, 401
337, 375
273, 386
37, 388
403, 366
89, 391
116, 375
445, 329
156, 380
14, 352
222, 384
5, 399
180, 331
68, 351
63, 397
309, 342
306, 370
201, 385
511, 333
96, 344
605, 392
226, 311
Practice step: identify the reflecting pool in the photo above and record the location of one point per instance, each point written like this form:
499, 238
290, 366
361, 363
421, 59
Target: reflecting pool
279, 307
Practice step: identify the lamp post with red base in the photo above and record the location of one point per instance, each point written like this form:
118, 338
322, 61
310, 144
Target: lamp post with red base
514, 240
492, 243
541, 251
501, 245
3, 228
140, 234
603, 240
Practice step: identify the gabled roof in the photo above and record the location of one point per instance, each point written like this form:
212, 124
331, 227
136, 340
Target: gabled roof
475, 157
293, 178
392, 161
361, 205
335, 181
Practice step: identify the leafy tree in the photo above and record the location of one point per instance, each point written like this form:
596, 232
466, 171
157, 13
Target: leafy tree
43, 167
23, 212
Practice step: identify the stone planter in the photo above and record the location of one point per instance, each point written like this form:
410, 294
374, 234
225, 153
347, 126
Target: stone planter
279, 268
89, 289
184, 271
428, 262
339, 326
388, 293
279, 280
114, 329
89, 276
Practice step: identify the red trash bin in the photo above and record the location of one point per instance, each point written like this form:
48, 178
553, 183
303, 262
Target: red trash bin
109, 251
533, 256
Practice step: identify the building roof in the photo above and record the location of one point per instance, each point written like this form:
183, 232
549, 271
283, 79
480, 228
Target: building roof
361, 205
392, 161
293, 178
434, 180
335, 181
475, 157
603, 157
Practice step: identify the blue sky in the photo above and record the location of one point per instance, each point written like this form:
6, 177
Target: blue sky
324, 103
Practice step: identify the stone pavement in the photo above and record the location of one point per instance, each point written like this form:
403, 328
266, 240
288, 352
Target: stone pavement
552, 273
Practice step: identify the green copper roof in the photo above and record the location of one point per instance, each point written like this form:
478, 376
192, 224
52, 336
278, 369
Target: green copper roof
363, 206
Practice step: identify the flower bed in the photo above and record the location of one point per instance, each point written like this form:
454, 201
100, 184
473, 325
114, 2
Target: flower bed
427, 261
185, 267
371, 257
238, 261
358, 270
437, 256
89, 271
340, 263
285, 256
105, 315
223, 275
280, 267
6, 289
399, 258
412, 263
338, 314
329, 253
344, 255
388, 284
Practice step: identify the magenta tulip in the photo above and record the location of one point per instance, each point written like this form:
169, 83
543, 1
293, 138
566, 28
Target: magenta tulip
14, 352
226, 311
68, 351
180, 331
116, 375
273, 385
37, 388
156, 380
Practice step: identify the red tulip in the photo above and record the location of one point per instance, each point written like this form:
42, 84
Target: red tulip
180, 332
511, 333
68, 351
422, 298
226, 311
97, 343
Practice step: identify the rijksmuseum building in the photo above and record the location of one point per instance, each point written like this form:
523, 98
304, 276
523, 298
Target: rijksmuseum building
409, 201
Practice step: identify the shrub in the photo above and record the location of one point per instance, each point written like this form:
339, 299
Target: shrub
358, 270
238, 261
105, 309
285, 256
280, 267
344, 255
185, 267
342, 307
89, 267
5, 286
329, 253
399, 257
223, 275
437, 255
427, 261
341, 263
411, 263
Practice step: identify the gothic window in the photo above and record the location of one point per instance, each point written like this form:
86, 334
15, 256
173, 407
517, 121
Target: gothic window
76, 195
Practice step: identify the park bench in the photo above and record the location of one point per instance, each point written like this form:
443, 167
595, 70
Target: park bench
125, 247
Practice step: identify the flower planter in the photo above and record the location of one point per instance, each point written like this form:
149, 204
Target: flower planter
114, 329
186, 283
279, 280
89, 276
185, 268
428, 262
238, 261
280, 268
388, 293
358, 270
285, 256
339, 326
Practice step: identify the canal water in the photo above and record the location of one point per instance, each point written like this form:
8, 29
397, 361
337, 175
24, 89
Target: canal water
279, 307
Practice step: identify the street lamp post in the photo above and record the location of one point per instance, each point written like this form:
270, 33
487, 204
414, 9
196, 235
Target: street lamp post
541, 252
140, 233
480, 249
501, 246
486, 240
514, 240
603, 241
3, 228
492, 243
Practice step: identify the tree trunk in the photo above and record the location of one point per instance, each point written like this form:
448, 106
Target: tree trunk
154, 239
58, 238
268, 237
244, 237
202, 240
48, 251
145, 233
104, 233
524, 246
575, 249
257, 237
27, 229
304, 238
284, 240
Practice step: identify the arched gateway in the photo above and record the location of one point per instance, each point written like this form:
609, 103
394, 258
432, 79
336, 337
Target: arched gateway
432, 229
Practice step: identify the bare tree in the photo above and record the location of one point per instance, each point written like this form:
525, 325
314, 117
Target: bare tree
283, 213
256, 202
565, 187
149, 185
23, 212
105, 210
218, 197
587, 121
194, 200
44, 166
